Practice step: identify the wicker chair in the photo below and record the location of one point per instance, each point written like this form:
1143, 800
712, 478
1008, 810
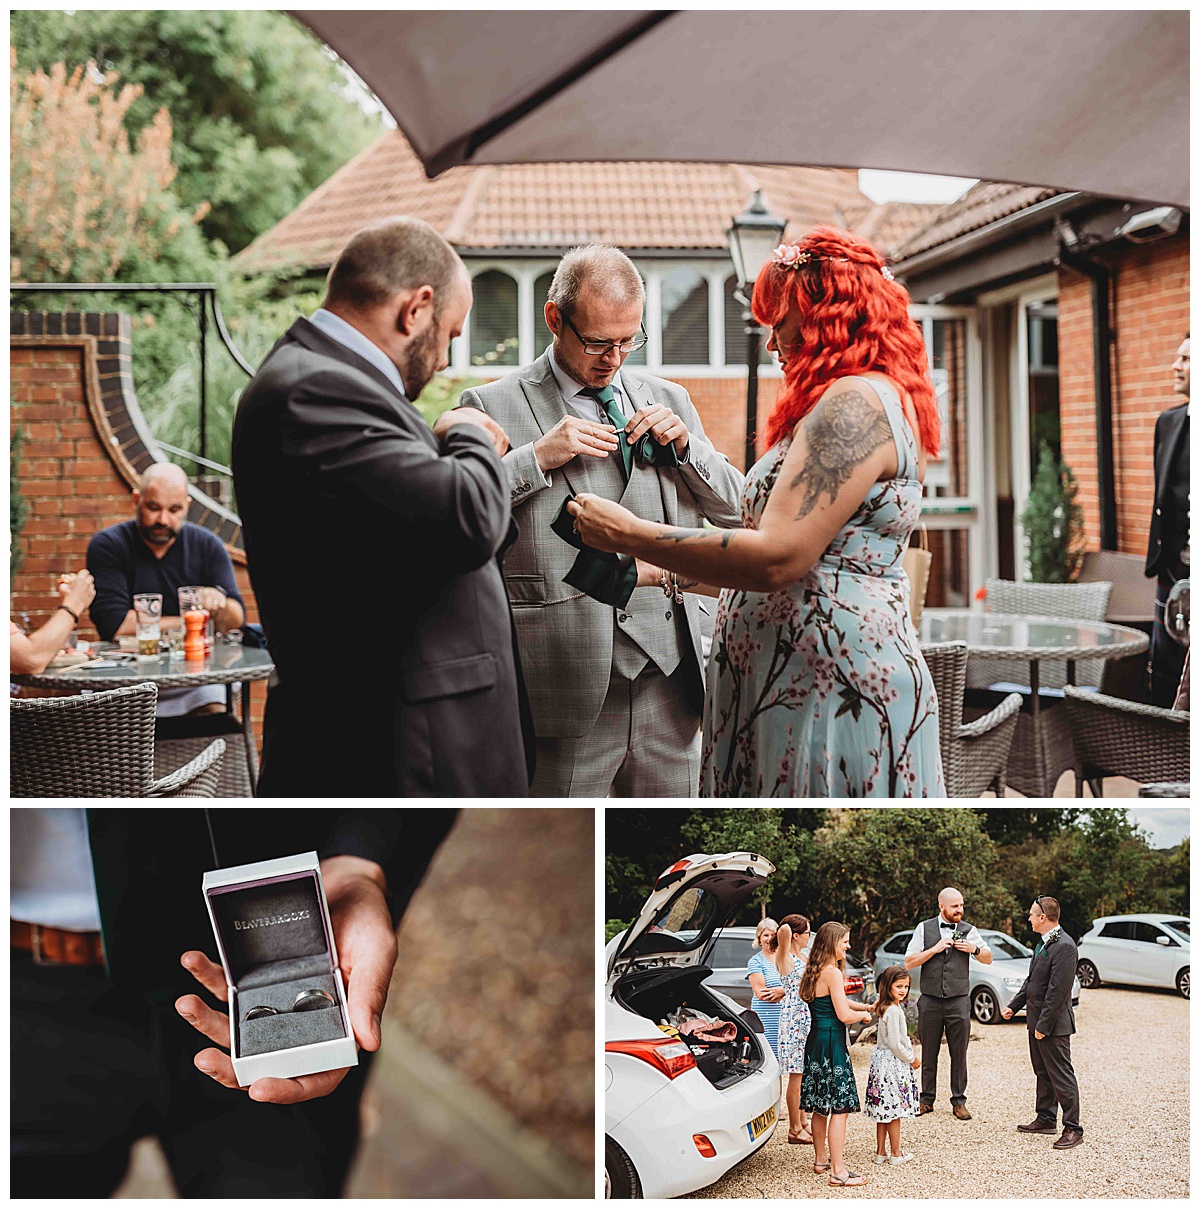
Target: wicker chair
1132, 599
974, 754
99, 746
1115, 738
1078, 602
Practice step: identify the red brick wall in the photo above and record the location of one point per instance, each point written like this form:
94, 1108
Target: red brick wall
1150, 315
721, 403
74, 478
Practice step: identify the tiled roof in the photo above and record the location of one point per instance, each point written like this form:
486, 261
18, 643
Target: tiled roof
649, 205
889, 224
982, 204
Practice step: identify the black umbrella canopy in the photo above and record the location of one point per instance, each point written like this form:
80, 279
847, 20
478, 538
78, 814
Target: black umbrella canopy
1092, 101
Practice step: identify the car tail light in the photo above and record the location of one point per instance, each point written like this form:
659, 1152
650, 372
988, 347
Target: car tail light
853, 984
668, 1055
677, 867
704, 1146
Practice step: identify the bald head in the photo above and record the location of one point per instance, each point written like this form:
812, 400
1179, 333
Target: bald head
951, 903
160, 503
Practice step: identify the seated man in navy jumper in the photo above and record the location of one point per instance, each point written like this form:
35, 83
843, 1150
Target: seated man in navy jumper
161, 551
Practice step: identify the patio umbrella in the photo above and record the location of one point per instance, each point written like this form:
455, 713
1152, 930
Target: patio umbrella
1094, 101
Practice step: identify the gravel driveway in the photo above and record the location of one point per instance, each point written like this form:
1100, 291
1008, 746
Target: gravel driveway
1131, 1059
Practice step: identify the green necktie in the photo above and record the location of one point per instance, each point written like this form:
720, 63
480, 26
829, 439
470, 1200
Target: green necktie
606, 397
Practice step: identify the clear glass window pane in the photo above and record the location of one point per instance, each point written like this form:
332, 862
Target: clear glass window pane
735, 330
543, 337
946, 344
684, 295
494, 320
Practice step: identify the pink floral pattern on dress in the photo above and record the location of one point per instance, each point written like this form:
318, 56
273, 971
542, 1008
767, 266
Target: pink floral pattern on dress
819, 689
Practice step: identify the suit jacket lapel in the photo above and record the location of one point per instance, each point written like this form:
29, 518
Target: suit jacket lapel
546, 402
1173, 421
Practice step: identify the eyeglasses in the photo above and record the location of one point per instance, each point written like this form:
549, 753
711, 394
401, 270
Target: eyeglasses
595, 348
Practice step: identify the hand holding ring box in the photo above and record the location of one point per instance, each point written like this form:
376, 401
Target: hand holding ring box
287, 999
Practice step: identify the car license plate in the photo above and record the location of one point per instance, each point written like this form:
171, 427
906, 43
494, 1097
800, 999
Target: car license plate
760, 1125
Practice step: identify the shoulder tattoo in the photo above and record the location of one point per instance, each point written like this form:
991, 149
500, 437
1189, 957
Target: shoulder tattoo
842, 433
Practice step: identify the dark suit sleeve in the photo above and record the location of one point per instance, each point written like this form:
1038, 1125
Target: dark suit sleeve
454, 499
1017, 1002
1058, 992
112, 600
402, 841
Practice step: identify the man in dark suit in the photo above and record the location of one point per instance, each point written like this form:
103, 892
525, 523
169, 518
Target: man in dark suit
373, 541
1046, 997
1169, 552
105, 1047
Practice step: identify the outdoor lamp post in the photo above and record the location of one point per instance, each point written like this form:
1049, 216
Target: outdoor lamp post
752, 237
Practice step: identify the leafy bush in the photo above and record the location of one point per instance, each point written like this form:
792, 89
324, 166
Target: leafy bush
614, 926
1053, 521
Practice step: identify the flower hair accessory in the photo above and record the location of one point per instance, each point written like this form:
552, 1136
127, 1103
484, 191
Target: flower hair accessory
792, 256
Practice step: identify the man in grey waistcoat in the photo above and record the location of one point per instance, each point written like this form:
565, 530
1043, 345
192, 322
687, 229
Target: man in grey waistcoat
942, 948
616, 693
1050, 1019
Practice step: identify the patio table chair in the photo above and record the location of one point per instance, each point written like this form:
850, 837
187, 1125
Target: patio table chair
99, 746
1116, 738
974, 754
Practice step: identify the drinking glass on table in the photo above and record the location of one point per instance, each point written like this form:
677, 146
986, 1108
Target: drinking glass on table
147, 607
66, 580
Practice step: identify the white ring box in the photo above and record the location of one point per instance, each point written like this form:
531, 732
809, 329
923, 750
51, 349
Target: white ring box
275, 939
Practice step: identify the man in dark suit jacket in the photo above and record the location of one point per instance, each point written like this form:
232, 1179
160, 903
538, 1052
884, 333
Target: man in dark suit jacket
372, 541
1050, 1019
105, 1024
1169, 552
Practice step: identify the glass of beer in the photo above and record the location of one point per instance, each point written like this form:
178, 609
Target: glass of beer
147, 607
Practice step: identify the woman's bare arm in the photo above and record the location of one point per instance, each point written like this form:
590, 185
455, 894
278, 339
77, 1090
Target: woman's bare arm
847, 1013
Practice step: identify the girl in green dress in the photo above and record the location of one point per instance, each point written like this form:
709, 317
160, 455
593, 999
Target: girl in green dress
827, 1090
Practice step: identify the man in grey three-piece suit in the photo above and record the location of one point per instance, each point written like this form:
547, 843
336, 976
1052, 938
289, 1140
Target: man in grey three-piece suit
1050, 1019
616, 694
942, 948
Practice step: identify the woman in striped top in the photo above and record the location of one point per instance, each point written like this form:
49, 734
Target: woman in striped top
765, 982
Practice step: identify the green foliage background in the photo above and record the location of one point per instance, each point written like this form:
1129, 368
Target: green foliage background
879, 869
1053, 521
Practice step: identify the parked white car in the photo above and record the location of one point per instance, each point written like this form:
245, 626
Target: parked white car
1138, 950
679, 1113
991, 986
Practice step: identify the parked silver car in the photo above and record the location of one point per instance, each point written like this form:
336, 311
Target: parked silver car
735, 946
1139, 950
991, 986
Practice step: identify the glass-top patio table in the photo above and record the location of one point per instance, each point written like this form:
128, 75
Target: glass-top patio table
224, 664
1033, 639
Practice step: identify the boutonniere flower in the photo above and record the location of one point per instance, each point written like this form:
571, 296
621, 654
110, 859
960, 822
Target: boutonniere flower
1051, 937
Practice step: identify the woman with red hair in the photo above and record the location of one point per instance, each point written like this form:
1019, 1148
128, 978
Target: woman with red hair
816, 684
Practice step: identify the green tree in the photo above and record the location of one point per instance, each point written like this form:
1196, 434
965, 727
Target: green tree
880, 870
1014, 824
263, 113
638, 846
1053, 521
1112, 869
762, 830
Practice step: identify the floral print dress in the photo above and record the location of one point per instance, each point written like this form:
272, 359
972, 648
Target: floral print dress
819, 689
795, 1019
828, 1087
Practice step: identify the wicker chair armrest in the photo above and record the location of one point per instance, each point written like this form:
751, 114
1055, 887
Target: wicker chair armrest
981, 726
1154, 712
189, 777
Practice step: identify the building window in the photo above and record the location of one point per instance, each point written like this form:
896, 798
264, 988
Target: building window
543, 337
735, 330
494, 338
684, 295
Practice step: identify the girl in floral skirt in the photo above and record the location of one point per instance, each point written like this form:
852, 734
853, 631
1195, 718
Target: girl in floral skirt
891, 1081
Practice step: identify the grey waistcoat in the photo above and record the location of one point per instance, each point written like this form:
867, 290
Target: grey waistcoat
650, 631
945, 974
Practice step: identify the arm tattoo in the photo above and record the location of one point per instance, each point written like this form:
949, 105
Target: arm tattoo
679, 536
843, 432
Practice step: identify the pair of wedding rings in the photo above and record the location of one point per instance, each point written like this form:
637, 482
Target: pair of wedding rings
306, 1001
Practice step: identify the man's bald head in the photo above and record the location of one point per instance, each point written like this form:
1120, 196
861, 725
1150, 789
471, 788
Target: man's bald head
950, 901
160, 502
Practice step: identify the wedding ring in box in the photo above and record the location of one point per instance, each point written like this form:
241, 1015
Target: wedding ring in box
287, 1001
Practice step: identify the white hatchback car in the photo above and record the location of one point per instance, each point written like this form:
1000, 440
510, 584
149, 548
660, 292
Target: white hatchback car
679, 1112
1139, 950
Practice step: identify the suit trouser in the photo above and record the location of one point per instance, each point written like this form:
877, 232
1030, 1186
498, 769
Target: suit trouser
644, 744
1166, 655
1056, 1083
94, 1068
953, 1017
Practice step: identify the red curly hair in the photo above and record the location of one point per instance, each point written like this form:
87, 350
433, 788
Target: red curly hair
852, 321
